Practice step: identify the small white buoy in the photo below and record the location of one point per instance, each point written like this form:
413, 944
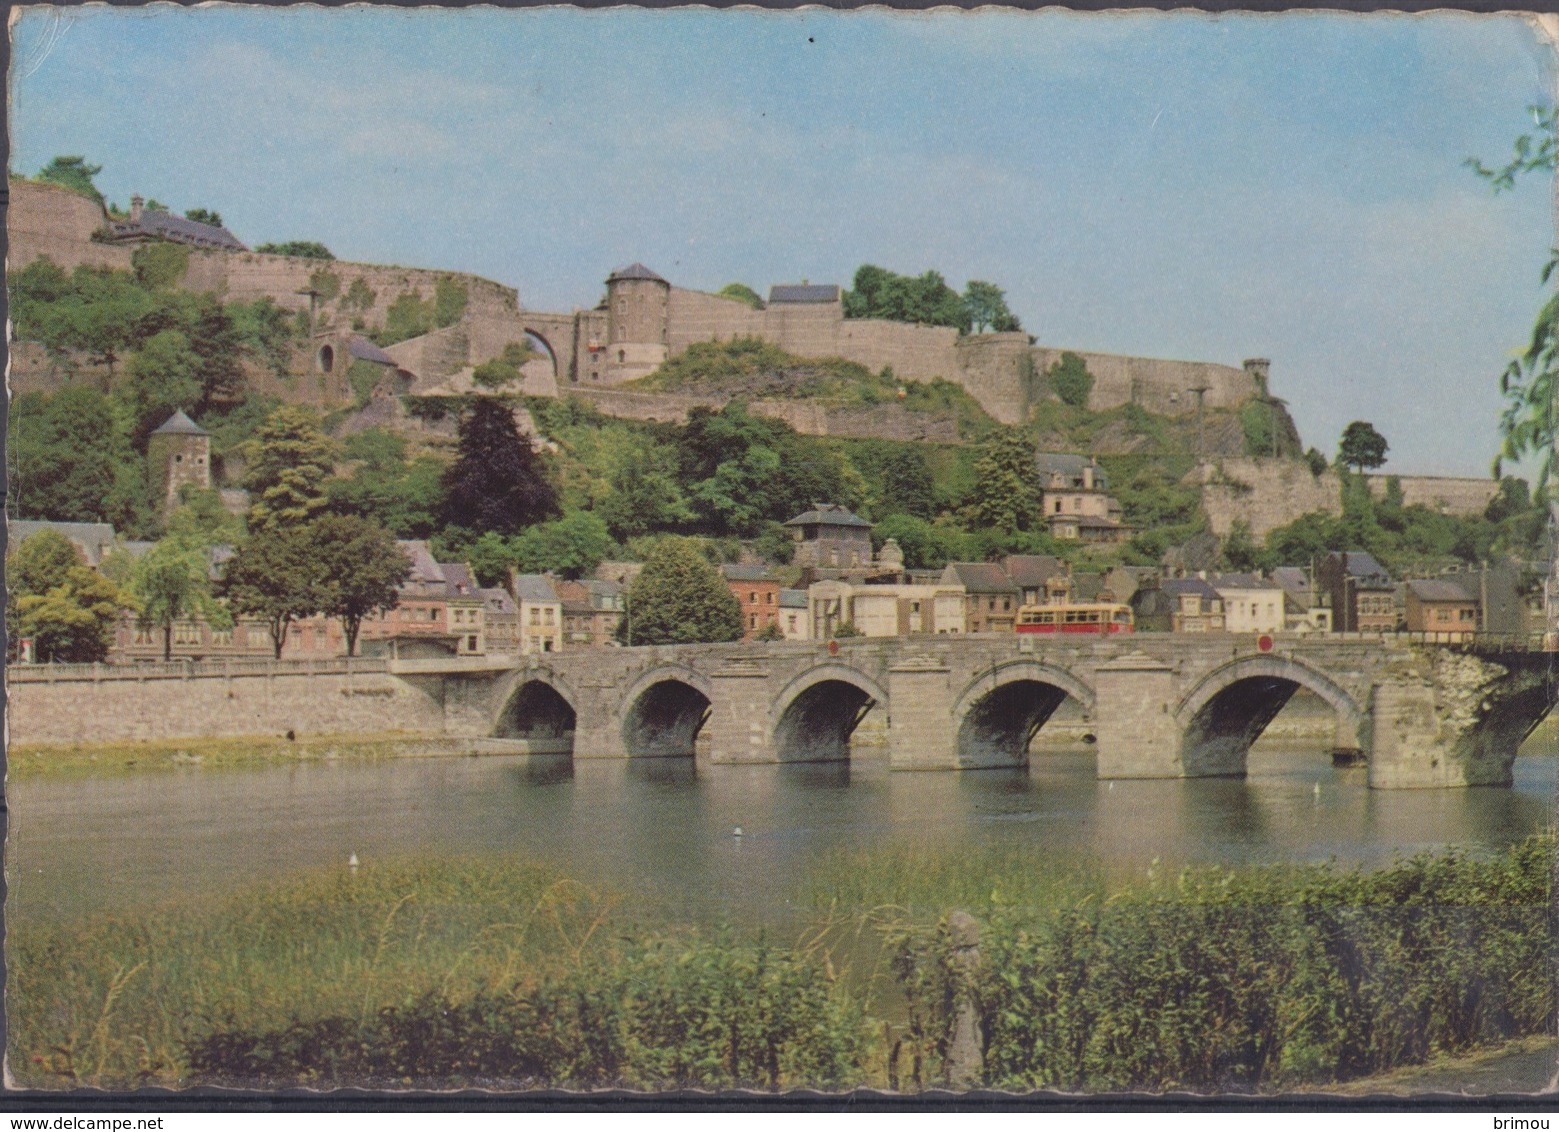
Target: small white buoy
351, 862
737, 832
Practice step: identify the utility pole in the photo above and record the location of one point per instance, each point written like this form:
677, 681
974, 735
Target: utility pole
1201, 447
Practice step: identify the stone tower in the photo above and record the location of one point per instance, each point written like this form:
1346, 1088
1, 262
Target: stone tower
638, 306
177, 453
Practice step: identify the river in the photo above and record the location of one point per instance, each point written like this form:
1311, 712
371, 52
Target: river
662, 830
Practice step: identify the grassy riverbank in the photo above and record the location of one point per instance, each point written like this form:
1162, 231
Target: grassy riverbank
509, 973
31, 761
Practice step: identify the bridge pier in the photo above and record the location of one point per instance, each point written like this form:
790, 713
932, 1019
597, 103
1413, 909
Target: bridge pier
1134, 719
920, 728
739, 727
1457, 721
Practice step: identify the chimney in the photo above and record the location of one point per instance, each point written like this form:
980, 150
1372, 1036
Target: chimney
135, 208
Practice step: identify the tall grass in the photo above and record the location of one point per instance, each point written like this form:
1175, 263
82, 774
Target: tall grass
1237, 980
508, 973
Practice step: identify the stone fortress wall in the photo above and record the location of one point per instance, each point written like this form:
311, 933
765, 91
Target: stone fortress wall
1273, 493
644, 320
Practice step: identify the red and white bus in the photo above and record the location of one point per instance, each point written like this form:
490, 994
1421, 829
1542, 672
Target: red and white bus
1098, 618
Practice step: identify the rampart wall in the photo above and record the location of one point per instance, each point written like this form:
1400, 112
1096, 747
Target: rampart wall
810, 418
47, 220
1273, 493
1159, 385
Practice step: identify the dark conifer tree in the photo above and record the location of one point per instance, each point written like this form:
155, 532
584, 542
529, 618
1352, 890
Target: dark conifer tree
496, 483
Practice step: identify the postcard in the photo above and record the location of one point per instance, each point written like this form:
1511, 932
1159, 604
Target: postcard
780, 550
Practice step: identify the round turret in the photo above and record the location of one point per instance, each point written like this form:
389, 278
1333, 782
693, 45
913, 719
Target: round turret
638, 303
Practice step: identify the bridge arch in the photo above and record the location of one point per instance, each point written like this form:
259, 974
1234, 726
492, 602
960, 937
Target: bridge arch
999, 712
539, 706
817, 711
537, 338
1228, 709
664, 710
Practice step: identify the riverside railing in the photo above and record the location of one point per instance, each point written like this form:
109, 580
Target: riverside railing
225, 668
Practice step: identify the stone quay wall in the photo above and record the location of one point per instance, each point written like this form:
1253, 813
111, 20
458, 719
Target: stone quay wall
169, 706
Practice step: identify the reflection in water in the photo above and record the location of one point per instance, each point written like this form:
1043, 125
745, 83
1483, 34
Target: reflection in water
660, 830
545, 770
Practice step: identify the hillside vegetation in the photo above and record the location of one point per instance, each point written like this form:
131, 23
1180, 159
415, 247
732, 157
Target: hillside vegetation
751, 368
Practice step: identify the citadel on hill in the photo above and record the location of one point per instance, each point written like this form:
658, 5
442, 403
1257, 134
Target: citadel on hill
644, 320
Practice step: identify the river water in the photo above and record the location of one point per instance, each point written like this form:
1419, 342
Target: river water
662, 830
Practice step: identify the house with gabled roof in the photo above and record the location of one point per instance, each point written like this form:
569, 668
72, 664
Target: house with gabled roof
991, 600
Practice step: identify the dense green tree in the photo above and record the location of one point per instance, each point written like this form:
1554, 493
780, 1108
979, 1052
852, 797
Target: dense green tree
359, 295
304, 249
276, 574
736, 498
1361, 446
33, 567
742, 294
1530, 384
72, 173
879, 293
159, 264
497, 483
404, 497
680, 597
360, 570
408, 316
926, 545
644, 495
171, 582
1070, 380
204, 216
1239, 549
571, 546
908, 487
1316, 459
265, 330
164, 377
1006, 490
987, 307
289, 459
73, 460
73, 623
1513, 498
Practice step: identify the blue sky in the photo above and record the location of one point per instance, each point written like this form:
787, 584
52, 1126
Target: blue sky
1180, 186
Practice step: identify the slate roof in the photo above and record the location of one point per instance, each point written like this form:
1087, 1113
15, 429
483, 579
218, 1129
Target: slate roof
1178, 587
1243, 582
458, 575
828, 515
93, 539
1070, 468
179, 424
424, 568
604, 594
360, 347
534, 587
1361, 565
165, 225
804, 293
980, 577
1439, 589
735, 573
793, 599
1291, 578
634, 271
1031, 570
498, 600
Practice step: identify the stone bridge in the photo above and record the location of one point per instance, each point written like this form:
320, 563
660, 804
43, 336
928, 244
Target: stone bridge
1159, 705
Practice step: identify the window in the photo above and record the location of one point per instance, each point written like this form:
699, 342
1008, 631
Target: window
752, 598
471, 643
547, 616
535, 615
622, 356
752, 621
768, 598
991, 604
432, 614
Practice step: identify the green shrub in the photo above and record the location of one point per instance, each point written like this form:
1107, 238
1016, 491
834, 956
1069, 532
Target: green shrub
1224, 980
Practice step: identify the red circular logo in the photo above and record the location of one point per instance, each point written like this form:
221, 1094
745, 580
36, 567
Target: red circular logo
1264, 643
